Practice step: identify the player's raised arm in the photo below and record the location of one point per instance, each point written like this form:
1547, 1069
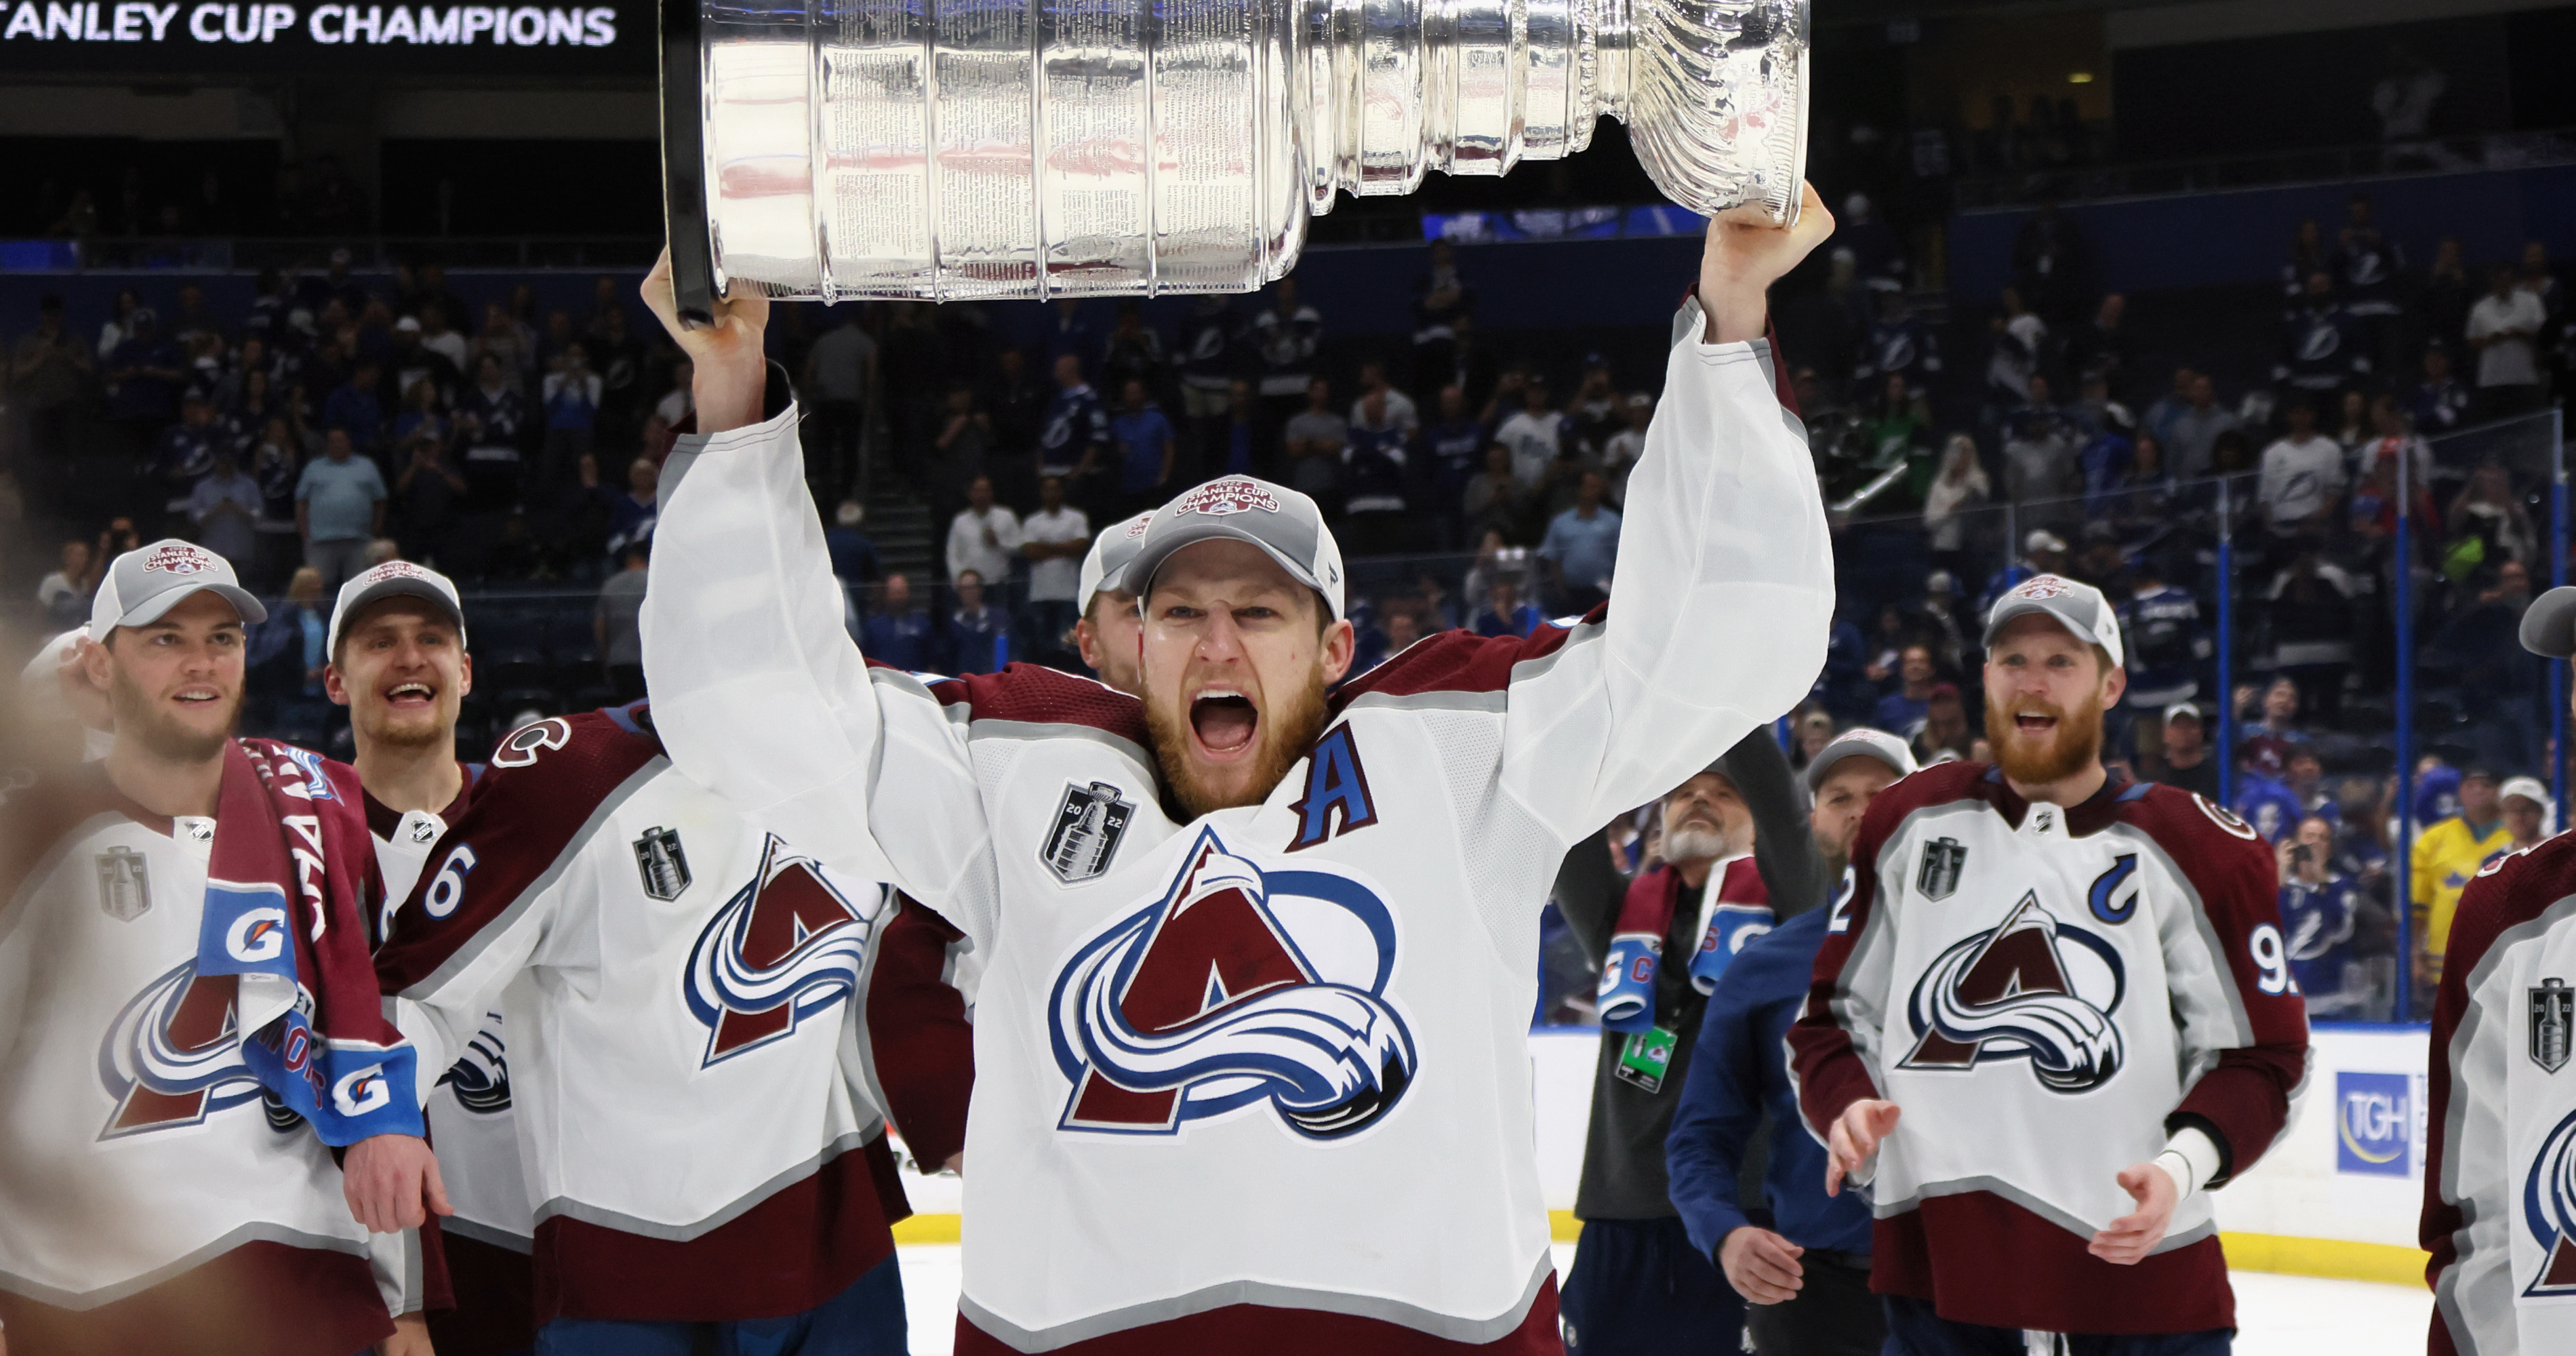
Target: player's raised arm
1723, 588
758, 692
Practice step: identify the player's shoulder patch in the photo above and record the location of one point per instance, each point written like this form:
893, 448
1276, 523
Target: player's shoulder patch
575, 755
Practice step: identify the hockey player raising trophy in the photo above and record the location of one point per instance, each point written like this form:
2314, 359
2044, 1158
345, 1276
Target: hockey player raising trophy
1257, 954
2052, 1013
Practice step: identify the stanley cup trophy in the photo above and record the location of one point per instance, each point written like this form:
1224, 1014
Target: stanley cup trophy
947, 149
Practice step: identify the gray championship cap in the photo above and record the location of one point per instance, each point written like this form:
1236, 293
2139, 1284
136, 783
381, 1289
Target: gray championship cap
2080, 608
150, 580
2549, 624
1110, 552
394, 578
1285, 524
1860, 742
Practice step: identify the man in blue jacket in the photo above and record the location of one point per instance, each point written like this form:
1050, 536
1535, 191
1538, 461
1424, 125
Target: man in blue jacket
1800, 1257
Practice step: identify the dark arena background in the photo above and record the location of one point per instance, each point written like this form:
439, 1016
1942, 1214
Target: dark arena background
2254, 314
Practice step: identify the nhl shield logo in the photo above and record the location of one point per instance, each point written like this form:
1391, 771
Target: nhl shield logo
124, 888
664, 867
1938, 877
2553, 1023
1089, 821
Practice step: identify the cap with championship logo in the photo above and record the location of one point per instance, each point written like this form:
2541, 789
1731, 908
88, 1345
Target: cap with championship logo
1860, 742
1285, 524
150, 580
1110, 552
394, 578
2080, 608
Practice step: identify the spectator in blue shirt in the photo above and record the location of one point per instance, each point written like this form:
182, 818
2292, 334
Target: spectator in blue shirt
854, 557
2320, 908
1373, 478
2262, 799
339, 508
1901, 712
978, 634
1073, 434
1581, 546
1504, 614
1455, 446
144, 373
186, 451
899, 633
356, 408
1144, 440
1801, 1257
2439, 403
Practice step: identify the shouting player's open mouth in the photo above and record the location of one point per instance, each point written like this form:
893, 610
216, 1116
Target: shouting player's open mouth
1224, 722
2042, 723
196, 693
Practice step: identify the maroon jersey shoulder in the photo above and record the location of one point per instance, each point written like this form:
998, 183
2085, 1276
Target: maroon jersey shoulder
1937, 785
2186, 822
1458, 661
2511, 890
1037, 695
529, 807
2214, 847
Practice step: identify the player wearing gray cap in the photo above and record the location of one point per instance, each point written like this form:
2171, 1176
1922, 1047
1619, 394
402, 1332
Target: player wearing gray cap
1260, 953
184, 974
2500, 1100
395, 656
1805, 1266
2094, 963
1108, 631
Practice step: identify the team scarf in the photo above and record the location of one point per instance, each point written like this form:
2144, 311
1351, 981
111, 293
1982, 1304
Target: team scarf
1627, 997
283, 886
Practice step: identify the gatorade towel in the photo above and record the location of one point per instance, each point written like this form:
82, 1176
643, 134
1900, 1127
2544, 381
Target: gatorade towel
1731, 928
1627, 997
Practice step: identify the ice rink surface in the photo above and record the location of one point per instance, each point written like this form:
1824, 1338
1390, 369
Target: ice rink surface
2278, 1315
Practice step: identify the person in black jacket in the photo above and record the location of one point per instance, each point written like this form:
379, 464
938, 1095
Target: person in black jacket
1637, 1284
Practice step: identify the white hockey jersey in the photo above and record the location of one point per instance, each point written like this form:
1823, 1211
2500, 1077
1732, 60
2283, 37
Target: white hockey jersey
468, 1104
2048, 992
135, 1145
2500, 1151
699, 1107
1265, 1071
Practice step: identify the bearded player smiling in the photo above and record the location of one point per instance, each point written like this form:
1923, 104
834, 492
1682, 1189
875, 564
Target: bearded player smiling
1257, 961
2053, 1009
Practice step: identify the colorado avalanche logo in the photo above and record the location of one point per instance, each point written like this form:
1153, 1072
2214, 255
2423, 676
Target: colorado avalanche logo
2549, 1211
480, 1078
1238, 986
173, 1055
787, 945
2040, 586
2021, 991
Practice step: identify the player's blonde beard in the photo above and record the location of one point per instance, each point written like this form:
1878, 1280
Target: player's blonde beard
430, 728
2074, 745
143, 720
1285, 735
